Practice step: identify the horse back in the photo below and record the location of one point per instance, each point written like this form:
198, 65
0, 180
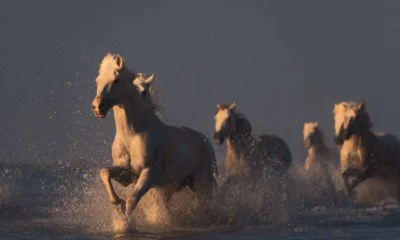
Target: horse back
389, 145
192, 147
276, 150
389, 139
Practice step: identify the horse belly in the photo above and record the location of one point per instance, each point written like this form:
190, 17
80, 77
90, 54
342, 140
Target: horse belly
175, 167
185, 154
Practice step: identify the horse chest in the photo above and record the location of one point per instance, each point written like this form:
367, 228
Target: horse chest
357, 159
142, 154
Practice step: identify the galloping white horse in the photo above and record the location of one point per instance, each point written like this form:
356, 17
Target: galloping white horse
145, 150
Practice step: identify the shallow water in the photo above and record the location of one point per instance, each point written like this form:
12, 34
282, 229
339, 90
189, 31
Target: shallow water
71, 204
351, 230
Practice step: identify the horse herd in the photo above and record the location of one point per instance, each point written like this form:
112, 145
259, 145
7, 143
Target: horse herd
153, 155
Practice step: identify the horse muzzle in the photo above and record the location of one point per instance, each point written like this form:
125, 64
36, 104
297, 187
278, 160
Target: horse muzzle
99, 109
338, 140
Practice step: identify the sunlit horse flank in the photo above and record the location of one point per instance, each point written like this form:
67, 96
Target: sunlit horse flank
364, 154
247, 154
321, 160
145, 149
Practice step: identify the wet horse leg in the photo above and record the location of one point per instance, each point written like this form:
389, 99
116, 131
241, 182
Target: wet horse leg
361, 176
143, 184
122, 176
331, 189
345, 175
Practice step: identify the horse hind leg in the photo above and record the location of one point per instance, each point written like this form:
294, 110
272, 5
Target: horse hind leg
122, 176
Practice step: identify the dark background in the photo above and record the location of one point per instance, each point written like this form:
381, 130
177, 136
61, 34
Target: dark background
284, 62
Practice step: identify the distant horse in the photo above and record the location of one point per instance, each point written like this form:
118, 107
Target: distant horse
363, 154
319, 155
324, 160
161, 156
249, 155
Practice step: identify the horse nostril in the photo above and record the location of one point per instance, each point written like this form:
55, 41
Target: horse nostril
93, 107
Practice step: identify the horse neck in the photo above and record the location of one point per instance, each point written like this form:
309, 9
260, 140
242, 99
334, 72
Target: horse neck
133, 116
361, 138
237, 145
318, 148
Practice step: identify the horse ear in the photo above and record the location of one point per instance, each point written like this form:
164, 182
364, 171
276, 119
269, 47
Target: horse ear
119, 61
362, 106
337, 106
149, 79
219, 106
232, 106
315, 124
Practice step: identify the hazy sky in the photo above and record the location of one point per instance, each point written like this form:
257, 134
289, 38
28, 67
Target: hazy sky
284, 62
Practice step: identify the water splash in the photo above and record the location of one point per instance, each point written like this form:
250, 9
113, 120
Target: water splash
71, 199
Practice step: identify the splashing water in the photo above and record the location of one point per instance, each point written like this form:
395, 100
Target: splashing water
74, 200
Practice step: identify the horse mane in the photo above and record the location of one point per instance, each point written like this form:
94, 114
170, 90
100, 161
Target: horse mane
344, 107
151, 90
142, 77
243, 125
114, 62
366, 119
312, 127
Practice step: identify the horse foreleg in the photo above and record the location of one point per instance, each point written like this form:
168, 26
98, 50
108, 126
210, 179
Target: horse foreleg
122, 176
361, 176
144, 183
345, 176
331, 189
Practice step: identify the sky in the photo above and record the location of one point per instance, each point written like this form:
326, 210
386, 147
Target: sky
283, 62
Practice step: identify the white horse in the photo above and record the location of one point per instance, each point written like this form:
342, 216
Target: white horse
364, 154
145, 150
